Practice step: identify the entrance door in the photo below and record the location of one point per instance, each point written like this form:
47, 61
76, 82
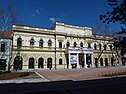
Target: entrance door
96, 62
101, 61
18, 63
31, 63
106, 62
40, 63
81, 60
49, 63
88, 59
112, 61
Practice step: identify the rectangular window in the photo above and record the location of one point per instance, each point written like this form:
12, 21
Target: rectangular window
60, 44
2, 47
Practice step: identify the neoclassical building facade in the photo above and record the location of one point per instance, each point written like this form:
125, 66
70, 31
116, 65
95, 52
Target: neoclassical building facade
62, 46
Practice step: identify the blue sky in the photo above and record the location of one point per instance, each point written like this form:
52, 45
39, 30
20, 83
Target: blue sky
43, 13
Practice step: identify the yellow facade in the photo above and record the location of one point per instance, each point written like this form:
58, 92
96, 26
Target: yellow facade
33, 56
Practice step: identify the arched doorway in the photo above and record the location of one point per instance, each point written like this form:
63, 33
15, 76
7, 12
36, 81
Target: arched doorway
31, 63
60, 61
112, 60
88, 60
40, 62
101, 61
106, 62
96, 62
49, 63
18, 60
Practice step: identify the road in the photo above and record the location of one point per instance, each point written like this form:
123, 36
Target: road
115, 85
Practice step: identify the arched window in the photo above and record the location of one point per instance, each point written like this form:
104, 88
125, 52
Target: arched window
49, 43
95, 46
89, 45
41, 43
19, 41
81, 44
60, 61
110, 47
100, 46
32, 42
75, 44
104, 47
60, 44
68, 44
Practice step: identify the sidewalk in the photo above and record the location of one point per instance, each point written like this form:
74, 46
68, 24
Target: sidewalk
23, 81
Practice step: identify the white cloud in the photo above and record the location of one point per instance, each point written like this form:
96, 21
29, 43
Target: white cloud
37, 11
53, 20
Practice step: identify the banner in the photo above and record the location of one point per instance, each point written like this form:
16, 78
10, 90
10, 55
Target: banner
73, 59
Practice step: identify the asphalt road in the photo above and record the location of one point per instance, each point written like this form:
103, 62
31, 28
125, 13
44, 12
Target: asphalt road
115, 85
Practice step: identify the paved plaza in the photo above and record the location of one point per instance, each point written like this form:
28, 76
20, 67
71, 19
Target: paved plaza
79, 74
46, 75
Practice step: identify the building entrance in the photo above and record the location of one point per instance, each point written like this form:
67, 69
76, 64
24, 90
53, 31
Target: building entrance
18, 63
40, 62
79, 58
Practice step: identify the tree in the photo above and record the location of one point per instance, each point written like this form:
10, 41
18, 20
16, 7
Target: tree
118, 13
106, 38
8, 16
120, 44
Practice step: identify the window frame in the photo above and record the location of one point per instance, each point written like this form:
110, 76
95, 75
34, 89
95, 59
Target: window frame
41, 43
68, 44
75, 44
61, 62
32, 42
3, 48
60, 44
19, 42
81, 44
49, 43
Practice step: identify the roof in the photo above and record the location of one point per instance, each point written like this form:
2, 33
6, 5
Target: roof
6, 34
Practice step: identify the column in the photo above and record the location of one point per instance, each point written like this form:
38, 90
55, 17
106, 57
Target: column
92, 61
85, 64
70, 67
78, 66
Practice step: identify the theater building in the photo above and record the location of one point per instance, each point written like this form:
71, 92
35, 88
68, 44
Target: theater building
62, 46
